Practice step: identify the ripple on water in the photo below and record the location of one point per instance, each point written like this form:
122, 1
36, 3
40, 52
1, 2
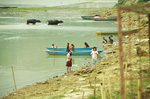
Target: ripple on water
13, 38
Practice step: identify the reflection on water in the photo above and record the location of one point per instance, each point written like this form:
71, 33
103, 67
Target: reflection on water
23, 46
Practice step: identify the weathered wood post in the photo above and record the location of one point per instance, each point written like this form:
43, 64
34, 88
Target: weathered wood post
102, 95
13, 77
139, 89
95, 89
110, 93
83, 95
121, 53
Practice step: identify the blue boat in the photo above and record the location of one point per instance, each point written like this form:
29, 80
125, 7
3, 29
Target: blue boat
76, 49
88, 52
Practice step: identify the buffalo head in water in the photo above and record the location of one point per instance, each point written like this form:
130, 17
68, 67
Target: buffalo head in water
54, 22
33, 21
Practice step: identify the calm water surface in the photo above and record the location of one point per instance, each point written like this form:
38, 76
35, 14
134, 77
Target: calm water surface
23, 46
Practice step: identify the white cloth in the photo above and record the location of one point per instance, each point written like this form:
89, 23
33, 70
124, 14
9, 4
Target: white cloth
94, 54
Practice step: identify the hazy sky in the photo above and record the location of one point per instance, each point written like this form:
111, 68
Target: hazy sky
47, 2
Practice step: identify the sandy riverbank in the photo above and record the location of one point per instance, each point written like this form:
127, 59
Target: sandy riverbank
81, 83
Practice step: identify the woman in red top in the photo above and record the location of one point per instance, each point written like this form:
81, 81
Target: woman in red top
67, 48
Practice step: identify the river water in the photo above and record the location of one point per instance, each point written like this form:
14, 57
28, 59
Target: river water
23, 46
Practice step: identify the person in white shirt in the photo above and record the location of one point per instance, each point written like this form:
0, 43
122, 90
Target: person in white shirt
94, 54
53, 46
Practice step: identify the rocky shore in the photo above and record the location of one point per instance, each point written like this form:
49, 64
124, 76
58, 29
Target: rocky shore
105, 80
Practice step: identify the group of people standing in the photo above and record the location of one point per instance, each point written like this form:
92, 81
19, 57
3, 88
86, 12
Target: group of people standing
94, 53
110, 40
71, 48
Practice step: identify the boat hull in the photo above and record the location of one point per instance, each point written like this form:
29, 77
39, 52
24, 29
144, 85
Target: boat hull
88, 17
106, 19
76, 49
123, 32
73, 53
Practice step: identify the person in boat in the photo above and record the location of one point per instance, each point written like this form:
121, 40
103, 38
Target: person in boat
94, 54
110, 40
72, 47
53, 46
104, 42
86, 45
67, 50
96, 16
69, 62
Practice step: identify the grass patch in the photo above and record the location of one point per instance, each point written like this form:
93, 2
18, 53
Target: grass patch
142, 1
57, 97
92, 97
43, 8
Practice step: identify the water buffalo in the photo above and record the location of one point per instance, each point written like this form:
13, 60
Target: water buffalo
54, 22
33, 21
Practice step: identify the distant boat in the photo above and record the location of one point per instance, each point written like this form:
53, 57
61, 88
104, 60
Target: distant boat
124, 32
88, 52
76, 49
89, 17
113, 18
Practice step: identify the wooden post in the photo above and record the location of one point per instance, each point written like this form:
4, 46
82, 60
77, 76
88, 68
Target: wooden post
149, 37
139, 89
102, 95
13, 77
49, 89
83, 95
120, 52
90, 82
110, 93
125, 80
95, 89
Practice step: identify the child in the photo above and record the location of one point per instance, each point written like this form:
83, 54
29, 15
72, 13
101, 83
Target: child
53, 46
110, 40
94, 54
69, 62
72, 47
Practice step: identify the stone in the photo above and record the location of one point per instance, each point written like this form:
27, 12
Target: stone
104, 63
76, 73
98, 72
85, 75
45, 82
71, 90
82, 79
58, 80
